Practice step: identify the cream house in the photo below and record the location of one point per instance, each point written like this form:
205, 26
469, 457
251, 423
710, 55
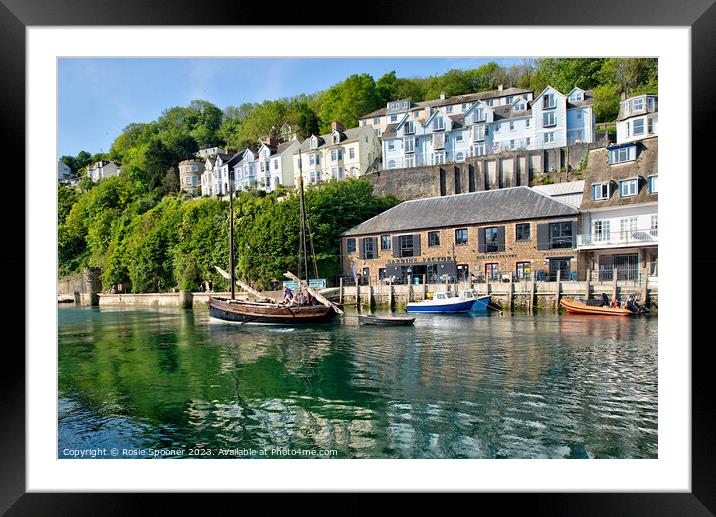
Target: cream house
340, 154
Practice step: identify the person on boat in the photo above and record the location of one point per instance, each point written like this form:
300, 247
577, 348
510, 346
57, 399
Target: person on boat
287, 295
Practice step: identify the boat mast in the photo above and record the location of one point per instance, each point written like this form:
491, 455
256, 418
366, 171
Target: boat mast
303, 250
231, 234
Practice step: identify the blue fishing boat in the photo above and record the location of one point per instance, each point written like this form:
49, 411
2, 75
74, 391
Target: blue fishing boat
448, 303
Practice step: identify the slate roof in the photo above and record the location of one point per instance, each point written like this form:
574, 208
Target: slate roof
506, 204
588, 100
599, 171
347, 136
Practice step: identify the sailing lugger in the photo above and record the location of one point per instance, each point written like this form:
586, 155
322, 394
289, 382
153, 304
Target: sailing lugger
264, 310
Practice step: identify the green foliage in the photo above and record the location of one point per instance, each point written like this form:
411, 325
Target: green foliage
347, 101
176, 243
606, 102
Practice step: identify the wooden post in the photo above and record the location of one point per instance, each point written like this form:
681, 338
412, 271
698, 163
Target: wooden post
340, 290
614, 284
531, 303
645, 286
371, 297
410, 288
390, 294
509, 293
425, 287
357, 293
447, 285
589, 280
556, 298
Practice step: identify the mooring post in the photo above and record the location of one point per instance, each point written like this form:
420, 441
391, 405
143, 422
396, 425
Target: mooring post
509, 293
340, 290
410, 288
614, 284
559, 283
425, 287
533, 292
645, 286
589, 287
390, 293
371, 296
358, 294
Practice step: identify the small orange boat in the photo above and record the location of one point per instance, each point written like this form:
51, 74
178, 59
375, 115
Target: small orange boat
578, 307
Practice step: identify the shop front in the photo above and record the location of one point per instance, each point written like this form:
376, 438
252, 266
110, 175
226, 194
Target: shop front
434, 270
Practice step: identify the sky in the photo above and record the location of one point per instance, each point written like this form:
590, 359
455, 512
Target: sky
99, 97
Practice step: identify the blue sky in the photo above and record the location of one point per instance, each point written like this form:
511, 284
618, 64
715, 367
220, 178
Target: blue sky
97, 98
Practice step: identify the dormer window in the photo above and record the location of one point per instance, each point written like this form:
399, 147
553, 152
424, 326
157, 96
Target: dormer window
409, 127
638, 104
336, 138
520, 106
629, 188
314, 143
449, 109
576, 97
600, 191
623, 154
479, 115
439, 124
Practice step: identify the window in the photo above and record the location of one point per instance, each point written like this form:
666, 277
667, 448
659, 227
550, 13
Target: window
439, 158
512, 144
653, 184
622, 154
410, 161
352, 152
490, 102
560, 235
377, 132
479, 133
638, 104
549, 101
433, 239
439, 124
548, 119
522, 232
439, 141
492, 271
394, 118
409, 127
458, 137
449, 109
336, 138
479, 115
654, 226
351, 245
528, 122
409, 145
528, 141
406, 245
509, 99
548, 138
391, 164
385, 242
519, 106
464, 107
650, 103
369, 251
579, 115
629, 187
600, 191
523, 270
275, 165
497, 128
461, 236
391, 146
314, 159
600, 231
650, 125
376, 120
627, 227
314, 143
638, 126
491, 240
459, 157
462, 272
628, 128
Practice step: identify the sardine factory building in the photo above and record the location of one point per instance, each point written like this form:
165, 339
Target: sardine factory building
493, 234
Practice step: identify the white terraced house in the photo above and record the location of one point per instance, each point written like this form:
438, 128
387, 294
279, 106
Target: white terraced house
638, 118
553, 119
340, 154
380, 119
215, 179
275, 163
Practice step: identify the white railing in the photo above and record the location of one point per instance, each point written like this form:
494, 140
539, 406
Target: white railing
618, 238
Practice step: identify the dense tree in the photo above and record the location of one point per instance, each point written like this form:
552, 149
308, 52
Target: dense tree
347, 101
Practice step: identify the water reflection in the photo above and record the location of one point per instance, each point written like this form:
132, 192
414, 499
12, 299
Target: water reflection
449, 387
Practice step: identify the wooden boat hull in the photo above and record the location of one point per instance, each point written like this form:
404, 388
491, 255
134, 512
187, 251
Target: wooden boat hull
269, 314
576, 307
385, 321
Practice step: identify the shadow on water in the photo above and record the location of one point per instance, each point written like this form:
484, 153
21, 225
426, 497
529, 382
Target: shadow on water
478, 385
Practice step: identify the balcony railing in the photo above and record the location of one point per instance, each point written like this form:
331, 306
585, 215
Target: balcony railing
618, 239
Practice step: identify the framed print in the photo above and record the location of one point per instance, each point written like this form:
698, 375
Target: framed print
430, 266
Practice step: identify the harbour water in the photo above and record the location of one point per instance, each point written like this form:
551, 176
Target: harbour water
453, 386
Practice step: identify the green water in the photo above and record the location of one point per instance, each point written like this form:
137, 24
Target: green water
454, 386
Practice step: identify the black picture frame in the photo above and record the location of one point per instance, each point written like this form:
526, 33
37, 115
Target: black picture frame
700, 16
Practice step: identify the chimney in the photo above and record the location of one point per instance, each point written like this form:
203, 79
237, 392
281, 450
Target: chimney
271, 140
499, 87
442, 96
337, 126
623, 96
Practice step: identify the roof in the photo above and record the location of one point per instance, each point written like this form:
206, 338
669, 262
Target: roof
599, 171
563, 188
347, 136
623, 116
506, 204
588, 99
200, 162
